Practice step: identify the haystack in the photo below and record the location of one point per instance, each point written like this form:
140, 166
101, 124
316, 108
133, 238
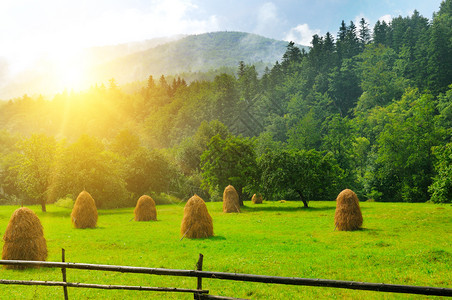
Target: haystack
348, 214
257, 199
145, 209
230, 200
24, 238
84, 213
196, 223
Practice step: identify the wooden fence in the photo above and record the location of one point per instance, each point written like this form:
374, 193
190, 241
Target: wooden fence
199, 292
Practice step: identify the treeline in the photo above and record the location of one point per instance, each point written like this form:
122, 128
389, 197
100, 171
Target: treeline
366, 110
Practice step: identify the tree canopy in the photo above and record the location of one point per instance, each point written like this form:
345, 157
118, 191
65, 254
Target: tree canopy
364, 109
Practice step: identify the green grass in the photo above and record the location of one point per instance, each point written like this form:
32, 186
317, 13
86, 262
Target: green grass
401, 243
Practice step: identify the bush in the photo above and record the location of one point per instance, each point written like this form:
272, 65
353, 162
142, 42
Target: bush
163, 198
441, 188
66, 202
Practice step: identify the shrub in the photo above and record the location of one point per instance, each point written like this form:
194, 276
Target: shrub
65, 203
441, 187
163, 198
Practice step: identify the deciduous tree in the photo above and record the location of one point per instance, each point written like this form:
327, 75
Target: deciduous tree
36, 169
312, 175
229, 161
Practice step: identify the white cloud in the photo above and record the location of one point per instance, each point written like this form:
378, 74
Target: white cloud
386, 18
267, 18
301, 34
4, 70
358, 18
49, 27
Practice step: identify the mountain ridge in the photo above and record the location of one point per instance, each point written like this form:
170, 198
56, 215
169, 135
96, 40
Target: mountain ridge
195, 53
169, 56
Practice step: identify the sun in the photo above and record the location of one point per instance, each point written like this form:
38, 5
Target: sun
70, 76
69, 69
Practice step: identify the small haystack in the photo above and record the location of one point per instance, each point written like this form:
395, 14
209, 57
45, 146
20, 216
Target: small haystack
231, 202
348, 214
196, 223
24, 238
257, 199
84, 213
145, 209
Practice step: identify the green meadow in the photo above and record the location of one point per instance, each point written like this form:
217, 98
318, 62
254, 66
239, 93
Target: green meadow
401, 243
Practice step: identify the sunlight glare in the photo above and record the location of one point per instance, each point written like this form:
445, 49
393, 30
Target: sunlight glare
69, 68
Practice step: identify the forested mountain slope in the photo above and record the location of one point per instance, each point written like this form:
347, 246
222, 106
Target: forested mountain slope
194, 53
188, 55
360, 110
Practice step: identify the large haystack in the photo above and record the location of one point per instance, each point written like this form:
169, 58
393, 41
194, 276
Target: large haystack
348, 214
84, 213
257, 199
231, 202
196, 223
24, 238
145, 209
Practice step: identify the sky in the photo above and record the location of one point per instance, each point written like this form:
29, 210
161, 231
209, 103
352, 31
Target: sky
56, 29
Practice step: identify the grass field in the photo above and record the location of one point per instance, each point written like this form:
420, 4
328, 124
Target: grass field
401, 243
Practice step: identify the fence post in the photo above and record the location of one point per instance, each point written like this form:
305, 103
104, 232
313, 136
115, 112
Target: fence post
63, 270
198, 296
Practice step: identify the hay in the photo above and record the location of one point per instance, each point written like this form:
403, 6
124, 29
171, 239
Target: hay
348, 214
145, 209
84, 213
196, 223
257, 199
231, 202
24, 238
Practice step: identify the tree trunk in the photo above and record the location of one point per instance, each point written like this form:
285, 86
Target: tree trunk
305, 203
239, 191
43, 205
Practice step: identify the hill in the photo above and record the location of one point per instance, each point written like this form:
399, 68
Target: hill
136, 61
194, 53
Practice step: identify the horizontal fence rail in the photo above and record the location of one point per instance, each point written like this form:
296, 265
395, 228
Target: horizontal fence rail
379, 287
101, 286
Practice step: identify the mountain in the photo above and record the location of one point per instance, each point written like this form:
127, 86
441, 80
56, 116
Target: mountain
47, 76
136, 61
194, 53
103, 54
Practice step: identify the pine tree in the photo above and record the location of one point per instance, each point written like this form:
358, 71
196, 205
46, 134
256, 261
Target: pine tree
363, 33
340, 44
291, 57
380, 33
440, 49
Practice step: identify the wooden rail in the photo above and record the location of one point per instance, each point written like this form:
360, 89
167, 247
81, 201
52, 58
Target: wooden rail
101, 286
199, 293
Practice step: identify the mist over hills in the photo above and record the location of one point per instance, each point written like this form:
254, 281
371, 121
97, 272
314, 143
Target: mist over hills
136, 61
103, 54
195, 53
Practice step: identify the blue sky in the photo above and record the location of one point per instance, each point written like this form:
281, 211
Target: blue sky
279, 19
59, 28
